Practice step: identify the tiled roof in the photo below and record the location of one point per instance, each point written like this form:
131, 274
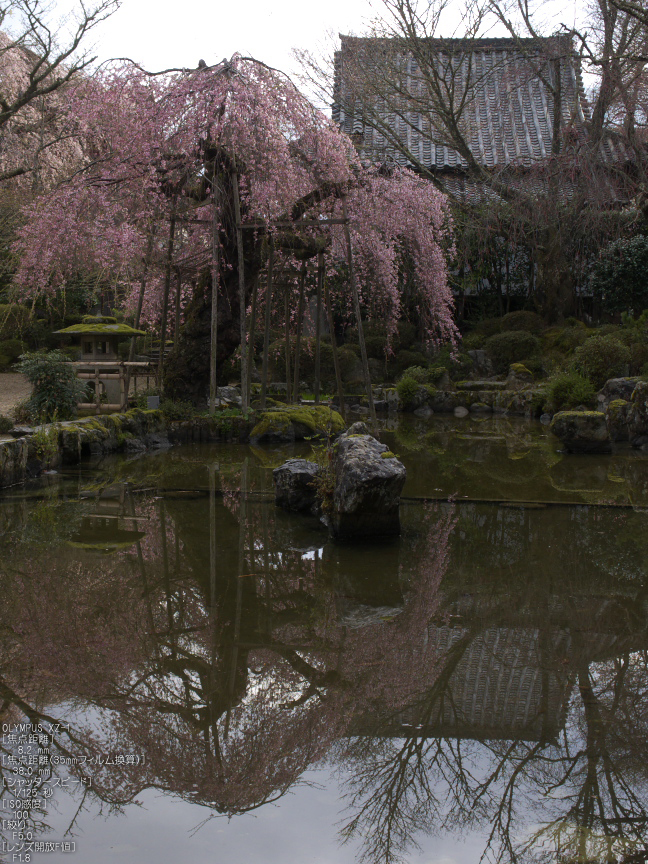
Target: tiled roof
507, 119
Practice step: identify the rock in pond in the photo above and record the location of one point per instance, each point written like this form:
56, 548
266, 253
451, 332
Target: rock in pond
285, 425
294, 483
368, 484
582, 431
424, 412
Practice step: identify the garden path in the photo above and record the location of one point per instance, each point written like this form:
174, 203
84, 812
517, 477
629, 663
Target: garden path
14, 387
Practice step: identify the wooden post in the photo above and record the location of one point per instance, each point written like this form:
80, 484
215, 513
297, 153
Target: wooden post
318, 316
176, 329
167, 287
245, 395
300, 321
215, 267
358, 314
266, 332
122, 389
336, 359
138, 312
287, 336
97, 392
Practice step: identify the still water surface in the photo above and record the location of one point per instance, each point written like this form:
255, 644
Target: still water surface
478, 687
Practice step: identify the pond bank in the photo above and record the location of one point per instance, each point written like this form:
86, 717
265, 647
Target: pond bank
42, 448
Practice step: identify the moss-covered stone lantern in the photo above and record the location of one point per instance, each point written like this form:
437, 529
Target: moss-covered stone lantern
100, 363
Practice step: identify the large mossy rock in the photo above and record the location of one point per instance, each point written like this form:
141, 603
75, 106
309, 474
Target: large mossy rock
582, 431
295, 488
617, 416
13, 461
285, 425
614, 389
368, 481
638, 414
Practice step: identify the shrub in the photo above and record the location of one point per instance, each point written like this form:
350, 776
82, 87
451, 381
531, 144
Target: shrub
406, 335
55, 387
349, 363
142, 396
600, 358
11, 348
6, 423
473, 341
565, 339
535, 364
618, 278
405, 359
488, 327
376, 347
407, 389
21, 413
529, 321
5, 362
437, 372
514, 346
45, 443
420, 374
638, 358
176, 410
568, 390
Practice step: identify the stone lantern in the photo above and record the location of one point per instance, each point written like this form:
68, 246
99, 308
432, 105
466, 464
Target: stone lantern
100, 363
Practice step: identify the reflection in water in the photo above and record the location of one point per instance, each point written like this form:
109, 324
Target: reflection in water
487, 671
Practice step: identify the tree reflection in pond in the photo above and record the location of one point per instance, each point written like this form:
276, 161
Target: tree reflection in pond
233, 650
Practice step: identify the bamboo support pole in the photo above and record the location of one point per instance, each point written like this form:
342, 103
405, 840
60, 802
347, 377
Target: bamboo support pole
300, 324
140, 302
215, 267
318, 325
266, 331
251, 335
178, 297
287, 339
167, 287
97, 398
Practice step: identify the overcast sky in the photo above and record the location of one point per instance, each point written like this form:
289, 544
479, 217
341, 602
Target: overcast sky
160, 34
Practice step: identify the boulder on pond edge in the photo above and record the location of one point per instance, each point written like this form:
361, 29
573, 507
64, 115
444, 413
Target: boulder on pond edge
638, 414
617, 416
582, 431
368, 481
285, 425
295, 488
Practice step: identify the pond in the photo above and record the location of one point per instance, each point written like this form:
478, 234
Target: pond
188, 673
